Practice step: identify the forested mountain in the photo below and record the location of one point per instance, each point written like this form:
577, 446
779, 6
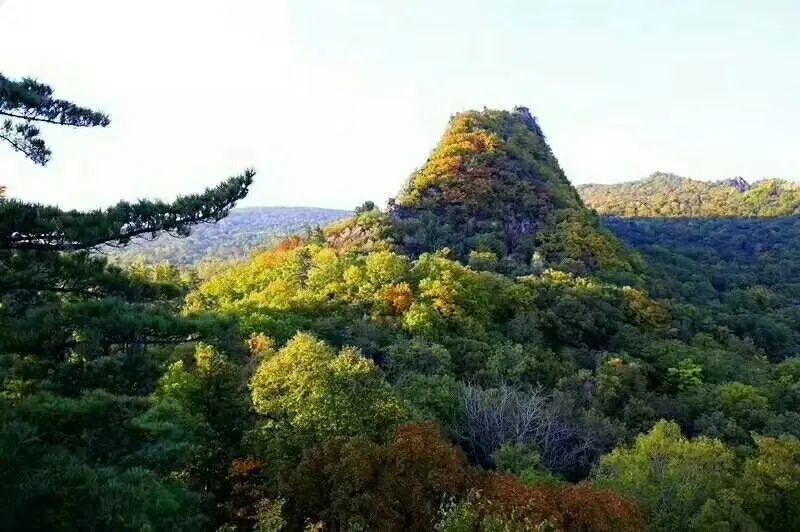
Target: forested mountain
483, 355
745, 271
494, 195
672, 196
234, 237
522, 345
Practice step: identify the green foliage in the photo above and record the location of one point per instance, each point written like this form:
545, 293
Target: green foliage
525, 462
25, 226
742, 273
687, 375
325, 394
670, 196
83, 444
66, 465
487, 306
672, 478
770, 483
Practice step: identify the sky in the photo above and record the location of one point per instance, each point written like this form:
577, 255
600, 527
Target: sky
335, 102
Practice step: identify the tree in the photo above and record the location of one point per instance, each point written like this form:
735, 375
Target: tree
67, 464
671, 477
325, 394
75, 292
502, 502
77, 358
39, 227
355, 484
502, 416
196, 422
25, 226
770, 484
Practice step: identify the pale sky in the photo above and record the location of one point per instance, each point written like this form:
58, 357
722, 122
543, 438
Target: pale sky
336, 101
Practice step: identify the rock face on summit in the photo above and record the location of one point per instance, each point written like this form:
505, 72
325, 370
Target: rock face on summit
492, 190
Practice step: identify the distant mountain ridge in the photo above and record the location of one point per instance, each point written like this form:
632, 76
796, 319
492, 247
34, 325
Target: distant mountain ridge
660, 195
234, 237
666, 195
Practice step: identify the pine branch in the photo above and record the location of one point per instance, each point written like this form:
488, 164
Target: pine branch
47, 228
35, 118
27, 101
24, 138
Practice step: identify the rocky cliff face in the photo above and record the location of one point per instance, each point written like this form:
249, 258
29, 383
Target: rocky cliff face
738, 183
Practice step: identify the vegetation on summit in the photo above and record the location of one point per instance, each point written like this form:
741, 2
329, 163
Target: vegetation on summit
493, 192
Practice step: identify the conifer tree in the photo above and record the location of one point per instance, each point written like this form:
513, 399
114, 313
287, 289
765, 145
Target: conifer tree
48, 271
26, 103
75, 344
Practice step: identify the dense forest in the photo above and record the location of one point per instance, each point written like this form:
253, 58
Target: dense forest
484, 354
664, 195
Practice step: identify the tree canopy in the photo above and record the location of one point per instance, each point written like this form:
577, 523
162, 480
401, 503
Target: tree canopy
485, 354
664, 195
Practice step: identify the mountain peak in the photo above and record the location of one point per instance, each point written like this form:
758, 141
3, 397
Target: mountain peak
493, 186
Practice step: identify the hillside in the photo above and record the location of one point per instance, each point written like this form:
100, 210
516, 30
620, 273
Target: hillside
747, 271
483, 355
672, 196
491, 192
234, 237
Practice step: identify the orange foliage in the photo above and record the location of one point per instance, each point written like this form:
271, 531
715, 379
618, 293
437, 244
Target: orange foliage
246, 466
248, 489
402, 485
585, 508
579, 508
506, 497
400, 297
449, 163
272, 259
290, 243
426, 462
399, 486
260, 345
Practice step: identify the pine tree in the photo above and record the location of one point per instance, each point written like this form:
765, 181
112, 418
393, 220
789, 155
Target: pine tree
58, 297
78, 337
26, 103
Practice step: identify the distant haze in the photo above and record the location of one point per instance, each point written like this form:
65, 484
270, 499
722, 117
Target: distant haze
336, 102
